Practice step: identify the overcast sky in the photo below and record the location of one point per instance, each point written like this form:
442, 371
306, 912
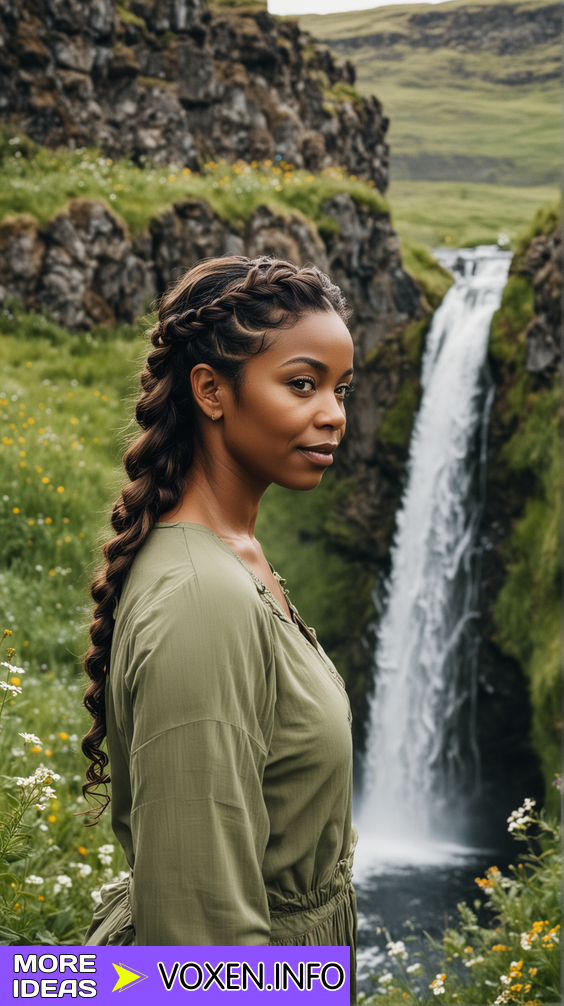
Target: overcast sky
332, 6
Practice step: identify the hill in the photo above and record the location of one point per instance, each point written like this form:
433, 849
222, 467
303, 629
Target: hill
472, 89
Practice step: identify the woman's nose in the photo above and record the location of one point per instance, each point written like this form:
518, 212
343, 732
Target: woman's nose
331, 413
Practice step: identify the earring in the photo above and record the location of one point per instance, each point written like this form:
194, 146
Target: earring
213, 415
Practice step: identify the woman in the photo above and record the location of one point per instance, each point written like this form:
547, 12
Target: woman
228, 727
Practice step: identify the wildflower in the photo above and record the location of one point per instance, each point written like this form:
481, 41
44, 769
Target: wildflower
105, 854
8, 632
96, 897
500, 946
52, 818
13, 689
437, 985
386, 978
31, 739
84, 870
411, 968
36, 881
62, 882
397, 950
474, 960
519, 818
82, 850
12, 667
64, 736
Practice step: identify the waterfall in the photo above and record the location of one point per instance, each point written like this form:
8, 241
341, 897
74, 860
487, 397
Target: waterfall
422, 762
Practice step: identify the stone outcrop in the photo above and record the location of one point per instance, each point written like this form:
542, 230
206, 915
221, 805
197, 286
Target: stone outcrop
543, 263
176, 81
526, 354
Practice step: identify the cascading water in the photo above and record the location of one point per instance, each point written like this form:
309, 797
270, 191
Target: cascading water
422, 761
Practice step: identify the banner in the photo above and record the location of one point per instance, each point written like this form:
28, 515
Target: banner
154, 975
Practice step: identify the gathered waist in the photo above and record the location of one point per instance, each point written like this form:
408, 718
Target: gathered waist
291, 919
295, 917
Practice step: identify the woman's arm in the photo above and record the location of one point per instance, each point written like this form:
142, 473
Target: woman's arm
202, 704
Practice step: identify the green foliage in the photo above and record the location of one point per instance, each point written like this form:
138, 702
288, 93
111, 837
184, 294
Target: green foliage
41, 182
528, 610
527, 614
433, 279
302, 535
126, 16
515, 959
342, 92
395, 428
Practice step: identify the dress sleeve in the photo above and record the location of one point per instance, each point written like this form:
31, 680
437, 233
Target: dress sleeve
201, 699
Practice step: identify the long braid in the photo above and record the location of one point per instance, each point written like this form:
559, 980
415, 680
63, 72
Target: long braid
218, 313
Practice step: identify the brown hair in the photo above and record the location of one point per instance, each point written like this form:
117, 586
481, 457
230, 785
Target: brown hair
218, 313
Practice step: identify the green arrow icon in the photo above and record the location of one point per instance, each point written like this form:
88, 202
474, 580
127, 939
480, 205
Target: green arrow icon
127, 976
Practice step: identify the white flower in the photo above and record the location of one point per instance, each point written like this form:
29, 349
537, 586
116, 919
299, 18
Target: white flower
32, 879
106, 850
14, 689
411, 968
475, 960
62, 882
96, 897
397, 950
84, 870
12, 667
385, 979
519, 818
525, 941
439, 990
31, 739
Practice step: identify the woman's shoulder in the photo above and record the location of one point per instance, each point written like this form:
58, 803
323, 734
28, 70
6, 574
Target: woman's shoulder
187, 559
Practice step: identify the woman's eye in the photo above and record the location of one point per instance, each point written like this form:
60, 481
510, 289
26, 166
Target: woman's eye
303, 384
344, 390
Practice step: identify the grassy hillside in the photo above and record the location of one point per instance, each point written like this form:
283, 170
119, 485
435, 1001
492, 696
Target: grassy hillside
472, 95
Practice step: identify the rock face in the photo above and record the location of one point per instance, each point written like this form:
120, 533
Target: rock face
543, 263
175, 81
511, 768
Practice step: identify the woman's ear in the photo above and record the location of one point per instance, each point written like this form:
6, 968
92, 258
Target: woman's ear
205, 388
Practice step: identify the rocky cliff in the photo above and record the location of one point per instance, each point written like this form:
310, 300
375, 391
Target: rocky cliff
178, 81
519, 706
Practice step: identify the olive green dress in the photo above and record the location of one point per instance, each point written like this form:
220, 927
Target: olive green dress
231, 760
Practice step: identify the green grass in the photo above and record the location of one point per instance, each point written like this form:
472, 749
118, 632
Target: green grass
462, 214
41, 182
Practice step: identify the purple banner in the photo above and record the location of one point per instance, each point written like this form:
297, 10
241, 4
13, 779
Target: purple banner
151, 975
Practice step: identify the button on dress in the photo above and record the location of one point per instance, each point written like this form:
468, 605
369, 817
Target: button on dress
229, 739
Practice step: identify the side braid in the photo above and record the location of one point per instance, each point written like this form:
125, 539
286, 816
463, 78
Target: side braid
218, 313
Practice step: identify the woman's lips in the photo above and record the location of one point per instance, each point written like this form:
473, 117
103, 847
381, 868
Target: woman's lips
317, 457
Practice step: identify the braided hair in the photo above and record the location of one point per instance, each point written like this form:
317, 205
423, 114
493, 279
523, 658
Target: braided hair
218, 313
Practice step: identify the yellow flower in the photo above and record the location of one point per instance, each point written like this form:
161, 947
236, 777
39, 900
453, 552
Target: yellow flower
29, 363
45, 480
82, 850
16, 509
31, 420
74, 420
8, 632
52, 818
40, 897
60, 489
95, 440
48, 520
49, 753
31, 523
35, 750
500, 946
15, 681
64, 736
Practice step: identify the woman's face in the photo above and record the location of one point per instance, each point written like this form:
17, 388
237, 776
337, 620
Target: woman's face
291, 413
